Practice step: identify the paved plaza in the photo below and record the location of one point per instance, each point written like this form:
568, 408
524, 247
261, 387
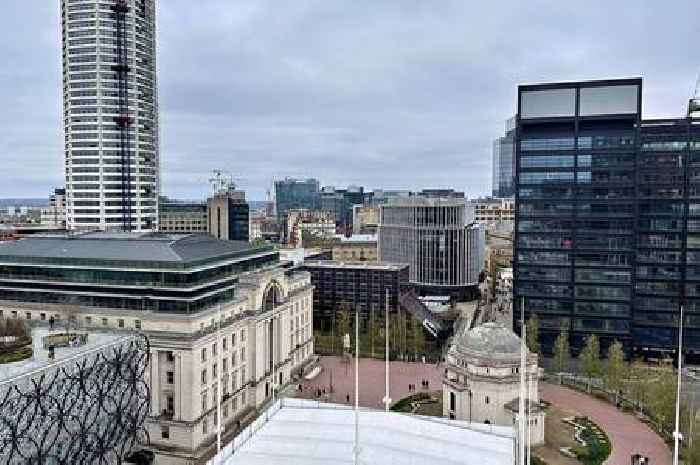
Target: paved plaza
627, 434
372, 384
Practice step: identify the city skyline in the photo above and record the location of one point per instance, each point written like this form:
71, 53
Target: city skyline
282, 98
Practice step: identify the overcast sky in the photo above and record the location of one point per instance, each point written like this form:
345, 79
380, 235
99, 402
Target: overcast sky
380, 93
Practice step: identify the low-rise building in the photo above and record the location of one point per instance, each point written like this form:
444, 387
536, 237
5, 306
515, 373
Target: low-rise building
92, 391
306, 226
365, 219
181, 217
498, 213
225, 322
55, 214
482, 379
360, 247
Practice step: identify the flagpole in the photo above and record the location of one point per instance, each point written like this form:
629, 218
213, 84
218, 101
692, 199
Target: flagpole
521, 405
528, 407
356, 450
387, 399
677, 432
219, 373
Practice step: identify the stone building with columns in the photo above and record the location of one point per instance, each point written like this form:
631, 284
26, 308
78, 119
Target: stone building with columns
216, 313
482, 379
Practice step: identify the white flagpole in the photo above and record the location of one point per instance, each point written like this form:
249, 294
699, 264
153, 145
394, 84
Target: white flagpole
274, 381
677, 432
523, 367
529, 420
219, 373
357, 387
387, 399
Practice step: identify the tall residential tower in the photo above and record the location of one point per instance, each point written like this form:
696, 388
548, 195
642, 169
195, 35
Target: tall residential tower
110, 114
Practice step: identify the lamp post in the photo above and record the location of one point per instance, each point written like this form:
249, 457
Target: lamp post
677, 436
470, 405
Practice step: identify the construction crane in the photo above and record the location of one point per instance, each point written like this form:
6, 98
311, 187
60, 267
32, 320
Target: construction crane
694, 103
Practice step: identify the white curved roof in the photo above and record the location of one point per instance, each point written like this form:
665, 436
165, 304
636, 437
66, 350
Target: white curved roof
304, 432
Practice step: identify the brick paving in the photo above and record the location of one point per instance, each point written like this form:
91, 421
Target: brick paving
627, 434
371, 388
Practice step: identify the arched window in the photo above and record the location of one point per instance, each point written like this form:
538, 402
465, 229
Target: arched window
272, 297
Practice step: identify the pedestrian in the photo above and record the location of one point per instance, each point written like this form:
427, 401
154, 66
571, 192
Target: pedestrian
347, 398
427, 384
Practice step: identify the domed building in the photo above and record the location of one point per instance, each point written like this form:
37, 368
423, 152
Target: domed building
482, 379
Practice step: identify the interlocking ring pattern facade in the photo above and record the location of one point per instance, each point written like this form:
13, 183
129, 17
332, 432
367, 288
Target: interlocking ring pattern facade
89, 410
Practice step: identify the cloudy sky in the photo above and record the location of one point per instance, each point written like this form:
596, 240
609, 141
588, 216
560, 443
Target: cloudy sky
381, 93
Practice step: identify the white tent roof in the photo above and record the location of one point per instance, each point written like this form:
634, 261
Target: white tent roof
309, 433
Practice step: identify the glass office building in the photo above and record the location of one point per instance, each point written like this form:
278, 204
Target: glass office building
605, 230
296, 194
503, 163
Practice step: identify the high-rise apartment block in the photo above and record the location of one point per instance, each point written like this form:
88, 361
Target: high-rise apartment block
110, 114
607, 236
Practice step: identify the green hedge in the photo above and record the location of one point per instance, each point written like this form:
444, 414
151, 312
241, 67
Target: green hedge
404, 405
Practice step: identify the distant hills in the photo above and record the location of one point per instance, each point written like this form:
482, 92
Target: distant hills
24, 202
4, 203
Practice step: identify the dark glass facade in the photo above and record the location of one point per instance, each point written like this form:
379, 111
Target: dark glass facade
503, 163
605, 233
355, 286
187, 286
295, 194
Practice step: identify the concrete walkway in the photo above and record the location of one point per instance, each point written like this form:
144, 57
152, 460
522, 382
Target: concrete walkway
627, 434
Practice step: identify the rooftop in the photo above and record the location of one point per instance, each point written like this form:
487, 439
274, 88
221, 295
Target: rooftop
490, 341
385, 266
302, 432
419, 201
40, 360
119, 247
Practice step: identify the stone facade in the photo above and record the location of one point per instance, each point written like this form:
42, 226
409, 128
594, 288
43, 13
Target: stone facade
482, 379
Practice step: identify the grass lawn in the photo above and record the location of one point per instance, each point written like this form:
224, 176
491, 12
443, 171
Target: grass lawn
16, 355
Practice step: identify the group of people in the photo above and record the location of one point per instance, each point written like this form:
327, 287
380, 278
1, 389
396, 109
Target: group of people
425, 384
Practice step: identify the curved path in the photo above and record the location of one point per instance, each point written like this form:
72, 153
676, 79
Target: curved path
627, 434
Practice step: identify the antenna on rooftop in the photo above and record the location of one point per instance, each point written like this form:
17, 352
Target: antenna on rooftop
222, 181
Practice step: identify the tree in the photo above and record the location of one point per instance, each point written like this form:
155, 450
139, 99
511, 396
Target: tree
662, 397
376, 339
417, 338
343, 322
638, 382
561, 351
533, 334
589, 359
616, 371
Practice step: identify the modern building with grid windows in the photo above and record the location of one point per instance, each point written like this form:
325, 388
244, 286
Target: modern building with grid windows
110, 114
607, 236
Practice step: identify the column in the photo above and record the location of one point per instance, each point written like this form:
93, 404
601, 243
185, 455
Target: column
155, 383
